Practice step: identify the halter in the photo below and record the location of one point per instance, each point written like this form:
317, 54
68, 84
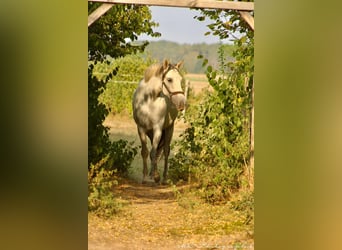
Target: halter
167, 88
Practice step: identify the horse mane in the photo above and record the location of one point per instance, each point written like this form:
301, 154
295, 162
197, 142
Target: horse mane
158, 70
153, 70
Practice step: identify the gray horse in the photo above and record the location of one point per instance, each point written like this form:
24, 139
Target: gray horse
156, 103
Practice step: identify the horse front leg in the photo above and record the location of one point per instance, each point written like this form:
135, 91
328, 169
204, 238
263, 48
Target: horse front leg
144, 152
153, 155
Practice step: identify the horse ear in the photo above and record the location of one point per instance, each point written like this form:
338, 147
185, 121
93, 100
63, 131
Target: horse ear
165, 64
164, 67
179, 64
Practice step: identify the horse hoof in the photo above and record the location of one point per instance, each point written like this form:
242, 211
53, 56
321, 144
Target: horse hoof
144, 181
156, 179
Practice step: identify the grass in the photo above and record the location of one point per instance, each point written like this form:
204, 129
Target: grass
204, 218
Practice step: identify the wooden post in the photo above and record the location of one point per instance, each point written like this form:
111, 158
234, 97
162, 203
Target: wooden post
248, 18
251, 159
96, 14
186, 92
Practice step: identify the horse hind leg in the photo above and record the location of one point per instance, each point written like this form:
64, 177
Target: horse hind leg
154, 173
144, 155
166, 166
166, 146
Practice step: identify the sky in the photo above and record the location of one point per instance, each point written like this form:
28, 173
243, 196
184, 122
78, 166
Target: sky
178, 25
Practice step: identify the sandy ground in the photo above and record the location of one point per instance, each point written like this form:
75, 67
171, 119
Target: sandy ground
153, 218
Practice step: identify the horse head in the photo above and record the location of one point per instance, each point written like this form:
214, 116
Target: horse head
172, 83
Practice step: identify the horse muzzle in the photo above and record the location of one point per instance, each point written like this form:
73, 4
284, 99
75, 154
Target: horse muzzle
178, 100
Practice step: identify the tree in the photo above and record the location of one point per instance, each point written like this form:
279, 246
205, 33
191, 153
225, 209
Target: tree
229, 24
111, 35
217, 141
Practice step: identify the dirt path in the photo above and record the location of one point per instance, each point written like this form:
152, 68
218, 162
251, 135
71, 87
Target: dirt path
163, 217
160, 217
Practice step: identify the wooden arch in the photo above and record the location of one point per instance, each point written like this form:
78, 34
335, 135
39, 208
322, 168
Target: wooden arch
243, 7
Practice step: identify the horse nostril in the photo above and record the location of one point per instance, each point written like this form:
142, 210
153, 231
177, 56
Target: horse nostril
181, 105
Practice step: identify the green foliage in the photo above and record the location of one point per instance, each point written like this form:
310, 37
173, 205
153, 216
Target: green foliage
122, 155
115, 32
100, 196
214, 150
117, 95
98, 139
226, 23
208, 153
110, 36
104, 157
244, 202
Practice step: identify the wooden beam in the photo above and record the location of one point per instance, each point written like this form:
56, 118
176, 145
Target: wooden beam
202, 4
248, 18
96, 14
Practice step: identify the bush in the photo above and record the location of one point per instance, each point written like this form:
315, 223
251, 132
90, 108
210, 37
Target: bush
215, 149
244, 202
119, 154
117, 97
101, 200
122, 154
204, 155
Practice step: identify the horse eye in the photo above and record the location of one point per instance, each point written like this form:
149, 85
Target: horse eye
169, 80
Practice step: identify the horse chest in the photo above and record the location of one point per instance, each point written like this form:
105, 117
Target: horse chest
156, 112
